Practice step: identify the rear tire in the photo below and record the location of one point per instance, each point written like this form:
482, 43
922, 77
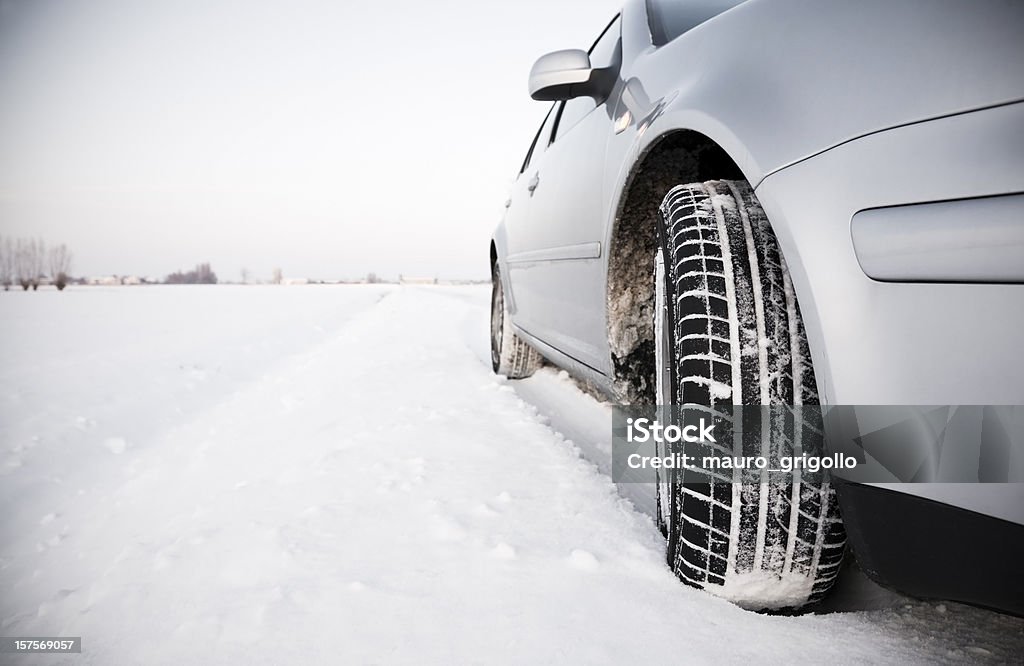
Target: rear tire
731, 333
510, 356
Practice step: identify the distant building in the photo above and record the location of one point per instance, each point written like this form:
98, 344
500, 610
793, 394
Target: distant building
416, 280
295, 281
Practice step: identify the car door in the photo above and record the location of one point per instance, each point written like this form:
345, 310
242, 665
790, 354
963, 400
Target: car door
555, 258
516, 219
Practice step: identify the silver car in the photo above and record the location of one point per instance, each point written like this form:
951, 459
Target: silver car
781, 202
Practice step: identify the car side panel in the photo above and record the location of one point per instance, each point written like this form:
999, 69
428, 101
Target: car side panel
901, 342
780, 80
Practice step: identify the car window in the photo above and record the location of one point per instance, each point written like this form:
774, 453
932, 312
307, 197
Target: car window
669, 18
543, 131
604, 53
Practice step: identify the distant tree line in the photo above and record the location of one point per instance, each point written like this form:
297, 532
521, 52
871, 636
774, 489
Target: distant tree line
25, 262
201, 274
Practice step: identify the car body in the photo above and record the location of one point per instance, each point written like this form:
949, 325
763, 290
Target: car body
885, 142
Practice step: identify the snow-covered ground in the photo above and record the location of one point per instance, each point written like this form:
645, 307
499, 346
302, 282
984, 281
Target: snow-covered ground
333, 475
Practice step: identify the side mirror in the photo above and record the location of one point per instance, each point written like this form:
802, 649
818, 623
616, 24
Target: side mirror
560, 75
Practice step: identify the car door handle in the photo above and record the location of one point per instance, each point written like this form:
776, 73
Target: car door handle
534, 182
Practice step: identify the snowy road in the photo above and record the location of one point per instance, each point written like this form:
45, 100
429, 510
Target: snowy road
333, 475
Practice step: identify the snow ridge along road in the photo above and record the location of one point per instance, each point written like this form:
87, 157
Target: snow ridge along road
333, 475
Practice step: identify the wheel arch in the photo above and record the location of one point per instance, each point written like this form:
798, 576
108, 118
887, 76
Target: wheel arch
674, 157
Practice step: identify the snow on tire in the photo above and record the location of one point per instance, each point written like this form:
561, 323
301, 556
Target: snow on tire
510, 356
733, 332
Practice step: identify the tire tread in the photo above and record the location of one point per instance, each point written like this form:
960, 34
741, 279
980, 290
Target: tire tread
736, 324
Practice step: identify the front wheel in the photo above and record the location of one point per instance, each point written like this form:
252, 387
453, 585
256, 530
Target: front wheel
510, 356
730, 333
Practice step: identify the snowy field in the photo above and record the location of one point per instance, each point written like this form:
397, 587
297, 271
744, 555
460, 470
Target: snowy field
333, 475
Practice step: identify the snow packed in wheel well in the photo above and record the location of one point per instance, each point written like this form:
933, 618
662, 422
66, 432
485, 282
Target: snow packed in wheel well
677, 158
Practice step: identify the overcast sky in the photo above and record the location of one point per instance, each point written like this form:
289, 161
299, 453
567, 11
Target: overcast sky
330, 138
